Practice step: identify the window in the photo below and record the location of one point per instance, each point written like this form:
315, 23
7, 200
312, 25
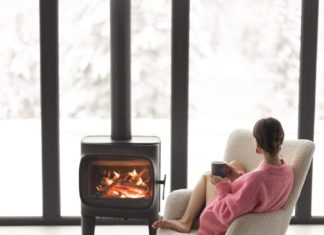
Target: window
20, 136
85, 80
243, 66
151, 83
84, 37
318, 193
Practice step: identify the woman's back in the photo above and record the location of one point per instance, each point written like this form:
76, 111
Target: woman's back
267, 188
274, 184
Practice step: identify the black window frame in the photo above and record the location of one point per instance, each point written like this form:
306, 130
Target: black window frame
179, 110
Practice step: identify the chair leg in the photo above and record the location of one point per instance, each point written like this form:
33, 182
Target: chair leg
88, 225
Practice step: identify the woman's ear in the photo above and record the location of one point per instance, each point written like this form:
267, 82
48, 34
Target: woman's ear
257, 147
258, 150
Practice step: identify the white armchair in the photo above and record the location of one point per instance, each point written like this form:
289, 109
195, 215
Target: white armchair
240, 146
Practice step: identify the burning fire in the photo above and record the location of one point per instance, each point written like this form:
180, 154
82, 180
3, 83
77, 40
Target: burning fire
131, 184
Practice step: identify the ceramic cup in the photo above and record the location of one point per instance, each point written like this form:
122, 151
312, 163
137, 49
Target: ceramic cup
219, 168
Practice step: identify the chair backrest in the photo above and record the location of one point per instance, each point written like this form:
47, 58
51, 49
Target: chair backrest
298, 153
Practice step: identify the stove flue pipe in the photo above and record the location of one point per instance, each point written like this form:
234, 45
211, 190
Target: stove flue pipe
120, 48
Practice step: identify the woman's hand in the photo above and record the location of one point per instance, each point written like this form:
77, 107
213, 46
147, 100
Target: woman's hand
214, 179
232, 173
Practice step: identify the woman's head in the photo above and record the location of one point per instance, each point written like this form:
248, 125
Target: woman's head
269, 135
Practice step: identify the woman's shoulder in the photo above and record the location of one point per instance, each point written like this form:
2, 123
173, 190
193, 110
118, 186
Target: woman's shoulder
264, 169
252, 176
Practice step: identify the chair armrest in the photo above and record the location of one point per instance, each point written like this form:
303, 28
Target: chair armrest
176, 203
267, 223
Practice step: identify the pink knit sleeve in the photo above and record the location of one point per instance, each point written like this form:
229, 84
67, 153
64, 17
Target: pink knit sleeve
224, 187
229, 206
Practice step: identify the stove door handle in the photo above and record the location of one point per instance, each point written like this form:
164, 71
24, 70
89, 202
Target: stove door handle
162, 182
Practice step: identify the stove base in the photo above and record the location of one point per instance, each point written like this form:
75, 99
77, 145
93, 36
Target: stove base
88, 224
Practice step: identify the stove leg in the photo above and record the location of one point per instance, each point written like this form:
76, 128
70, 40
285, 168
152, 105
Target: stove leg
152, 231
88, 225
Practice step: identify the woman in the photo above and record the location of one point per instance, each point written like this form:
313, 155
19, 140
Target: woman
264, 189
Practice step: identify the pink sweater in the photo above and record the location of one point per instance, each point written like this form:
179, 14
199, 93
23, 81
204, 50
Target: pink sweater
265, 189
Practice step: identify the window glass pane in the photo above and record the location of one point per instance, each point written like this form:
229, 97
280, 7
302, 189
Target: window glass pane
151, 74
20, 135
85, 80
318, 162
84, 87
243, 66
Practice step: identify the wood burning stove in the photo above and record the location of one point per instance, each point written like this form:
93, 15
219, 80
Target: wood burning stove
119, 174
119, 179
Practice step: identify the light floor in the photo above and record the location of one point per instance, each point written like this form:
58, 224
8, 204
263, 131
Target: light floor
126, 230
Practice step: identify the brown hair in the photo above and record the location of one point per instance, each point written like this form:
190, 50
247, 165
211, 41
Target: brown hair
269, 134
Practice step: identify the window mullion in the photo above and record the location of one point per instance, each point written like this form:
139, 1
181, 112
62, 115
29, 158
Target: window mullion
50, 108
307, 88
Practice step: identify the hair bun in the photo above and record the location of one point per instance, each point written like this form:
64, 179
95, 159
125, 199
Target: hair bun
269, 135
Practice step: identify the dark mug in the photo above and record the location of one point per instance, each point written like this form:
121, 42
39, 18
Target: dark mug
219, 168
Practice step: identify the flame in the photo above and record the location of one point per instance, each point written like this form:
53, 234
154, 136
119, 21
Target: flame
133, 174
131, 184
140, 182
117, 175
